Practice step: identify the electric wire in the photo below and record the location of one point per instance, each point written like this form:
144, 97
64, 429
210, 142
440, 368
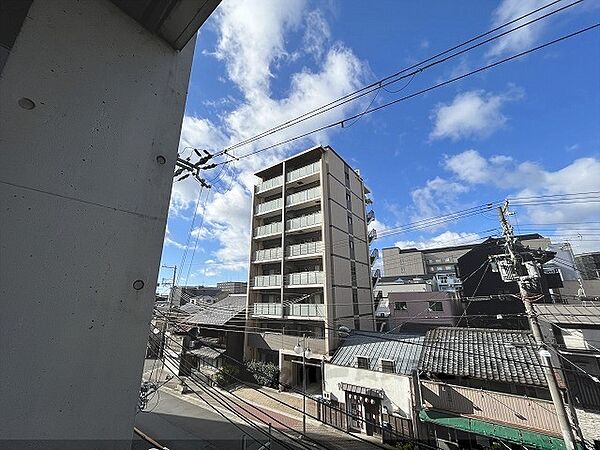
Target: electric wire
392, 78
420, 92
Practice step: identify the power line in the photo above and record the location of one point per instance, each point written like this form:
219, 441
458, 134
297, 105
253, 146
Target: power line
423, 91
394, 78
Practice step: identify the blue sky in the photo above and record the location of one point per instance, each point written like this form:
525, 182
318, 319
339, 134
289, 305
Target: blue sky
529, 127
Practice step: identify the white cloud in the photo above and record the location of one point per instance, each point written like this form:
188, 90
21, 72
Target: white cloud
445, 239
514, 179
523, 38
251, 37
317, 34
471, 114
251, 44
438, 195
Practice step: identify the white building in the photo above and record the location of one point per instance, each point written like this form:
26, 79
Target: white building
92, 96
309, 265
370, 378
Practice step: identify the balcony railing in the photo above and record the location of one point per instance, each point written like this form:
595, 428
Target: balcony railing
269, 206
303, 221
372, 235
307, 310
307, 248
303, 171
304, 278
494, 406
269, 184
370, 216
303, 196
265, 230
267, 309
268, 254
267, 281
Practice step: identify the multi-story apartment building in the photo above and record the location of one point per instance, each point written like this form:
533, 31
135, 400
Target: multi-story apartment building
310, 268
233, 287
439, 263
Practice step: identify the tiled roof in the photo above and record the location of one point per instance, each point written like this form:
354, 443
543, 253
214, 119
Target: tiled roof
403, 349
219, 313
569, 314
499, 355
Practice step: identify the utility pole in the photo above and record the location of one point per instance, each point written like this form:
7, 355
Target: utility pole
164, 327
174, 268
513, 267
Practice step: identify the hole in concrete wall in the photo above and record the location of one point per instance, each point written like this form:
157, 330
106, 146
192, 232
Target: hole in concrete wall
138, 284
161, 159
26, 103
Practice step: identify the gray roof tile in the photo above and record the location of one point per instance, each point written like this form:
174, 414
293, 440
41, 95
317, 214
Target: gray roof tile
499, 355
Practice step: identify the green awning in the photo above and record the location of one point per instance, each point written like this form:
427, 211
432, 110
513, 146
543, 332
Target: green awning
503, 432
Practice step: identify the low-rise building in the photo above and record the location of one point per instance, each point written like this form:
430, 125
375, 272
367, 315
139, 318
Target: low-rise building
480, 386
575, 332
418, 311
369, 384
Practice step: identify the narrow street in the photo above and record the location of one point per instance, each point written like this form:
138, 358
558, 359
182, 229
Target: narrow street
184, 421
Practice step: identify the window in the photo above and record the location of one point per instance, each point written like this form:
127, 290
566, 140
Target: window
347, 178
353, 273
400, 306
351, 244
355, 302
388, 366
350, 229
348, 201
436, 306
362, 362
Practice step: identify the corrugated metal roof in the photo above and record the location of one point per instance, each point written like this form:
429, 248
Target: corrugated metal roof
569, 314
403, 349
499, 355
206, 352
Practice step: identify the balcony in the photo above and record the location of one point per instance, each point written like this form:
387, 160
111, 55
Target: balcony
269, 185
491, 406
268, 254
372, 235
303, 172
266, 281
370, 216
268, 230
267, 309
269, 207
306, 310
308, 222
314, 278
277, 341
307, 249
307, 195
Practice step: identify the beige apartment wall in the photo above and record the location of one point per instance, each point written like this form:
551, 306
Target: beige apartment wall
398, 264
341, 271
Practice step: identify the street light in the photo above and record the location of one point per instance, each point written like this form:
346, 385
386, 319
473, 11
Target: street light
306, 353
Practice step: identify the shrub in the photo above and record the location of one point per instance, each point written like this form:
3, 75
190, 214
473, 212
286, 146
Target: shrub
224, 377
264, 373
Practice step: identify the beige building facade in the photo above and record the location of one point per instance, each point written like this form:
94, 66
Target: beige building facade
310, 268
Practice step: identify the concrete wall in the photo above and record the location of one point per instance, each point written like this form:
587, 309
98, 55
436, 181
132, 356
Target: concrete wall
417, 311
386, 288
397, 388
84, 205
399, 264
589, 423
